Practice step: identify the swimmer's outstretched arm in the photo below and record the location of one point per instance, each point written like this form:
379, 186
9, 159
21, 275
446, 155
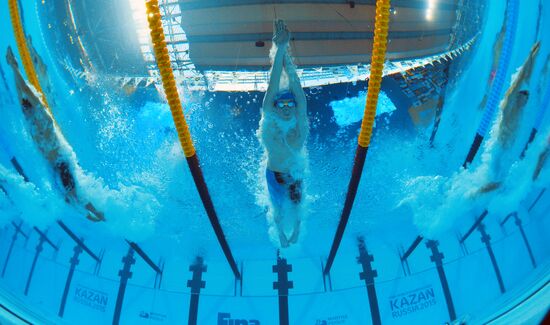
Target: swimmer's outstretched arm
523, 75
299, 96
527, 68
281, 37
40, 66
295, 85
19, 81
23, 89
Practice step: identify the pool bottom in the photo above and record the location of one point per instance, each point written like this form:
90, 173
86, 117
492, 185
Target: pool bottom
525, 305
477, 281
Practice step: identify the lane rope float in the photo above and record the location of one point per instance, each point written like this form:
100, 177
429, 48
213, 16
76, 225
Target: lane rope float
167, 75
24, 51
169, 84
381, 26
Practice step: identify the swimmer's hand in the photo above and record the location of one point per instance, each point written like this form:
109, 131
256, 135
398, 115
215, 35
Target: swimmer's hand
281, 35
535, 49
10, 58
283, 240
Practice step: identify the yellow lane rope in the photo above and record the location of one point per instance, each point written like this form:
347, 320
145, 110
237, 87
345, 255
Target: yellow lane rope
381, 26
167, 75
23, 49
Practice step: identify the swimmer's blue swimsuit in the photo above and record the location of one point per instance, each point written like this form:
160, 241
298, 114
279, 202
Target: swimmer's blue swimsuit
281, 185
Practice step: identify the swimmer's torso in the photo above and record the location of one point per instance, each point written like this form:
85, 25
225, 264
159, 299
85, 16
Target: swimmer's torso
283, 141
43, 132
42, 129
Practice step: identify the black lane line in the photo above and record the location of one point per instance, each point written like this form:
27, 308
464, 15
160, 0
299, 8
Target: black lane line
519, 303
14, 314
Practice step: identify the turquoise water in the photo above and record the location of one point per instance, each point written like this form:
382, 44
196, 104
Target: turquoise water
132, 168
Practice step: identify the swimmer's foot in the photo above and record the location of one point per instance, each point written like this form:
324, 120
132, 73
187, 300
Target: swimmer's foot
283, 240
489, 187
296, 232
94, 215
294, 238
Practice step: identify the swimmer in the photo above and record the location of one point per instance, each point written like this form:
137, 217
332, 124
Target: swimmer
41, 71
497, 51
48, 139
283, 132
543, 157
512, 107
515, 100
544, 75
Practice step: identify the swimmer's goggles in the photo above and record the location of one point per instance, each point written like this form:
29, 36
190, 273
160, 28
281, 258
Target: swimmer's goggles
285, 103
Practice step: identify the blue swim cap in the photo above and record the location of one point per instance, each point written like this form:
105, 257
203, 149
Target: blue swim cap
284, 95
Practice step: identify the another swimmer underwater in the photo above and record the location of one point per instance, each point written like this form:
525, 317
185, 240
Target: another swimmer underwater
283, 132
512, 108
41, 71
49, 140
543, 158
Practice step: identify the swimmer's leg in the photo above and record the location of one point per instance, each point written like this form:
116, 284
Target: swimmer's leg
296, 232
69, 184
280, 229
295, 190
282, 238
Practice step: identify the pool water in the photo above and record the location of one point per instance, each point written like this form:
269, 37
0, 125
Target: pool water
428, 241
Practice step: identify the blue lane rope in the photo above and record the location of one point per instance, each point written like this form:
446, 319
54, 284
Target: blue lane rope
500, 78
512, 13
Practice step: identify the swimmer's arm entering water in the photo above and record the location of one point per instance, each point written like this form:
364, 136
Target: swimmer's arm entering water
295, 85
522, 77
23, 89
301, 101
280, 39
527, 67
36, 59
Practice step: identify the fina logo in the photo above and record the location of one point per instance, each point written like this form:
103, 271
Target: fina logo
225, 319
